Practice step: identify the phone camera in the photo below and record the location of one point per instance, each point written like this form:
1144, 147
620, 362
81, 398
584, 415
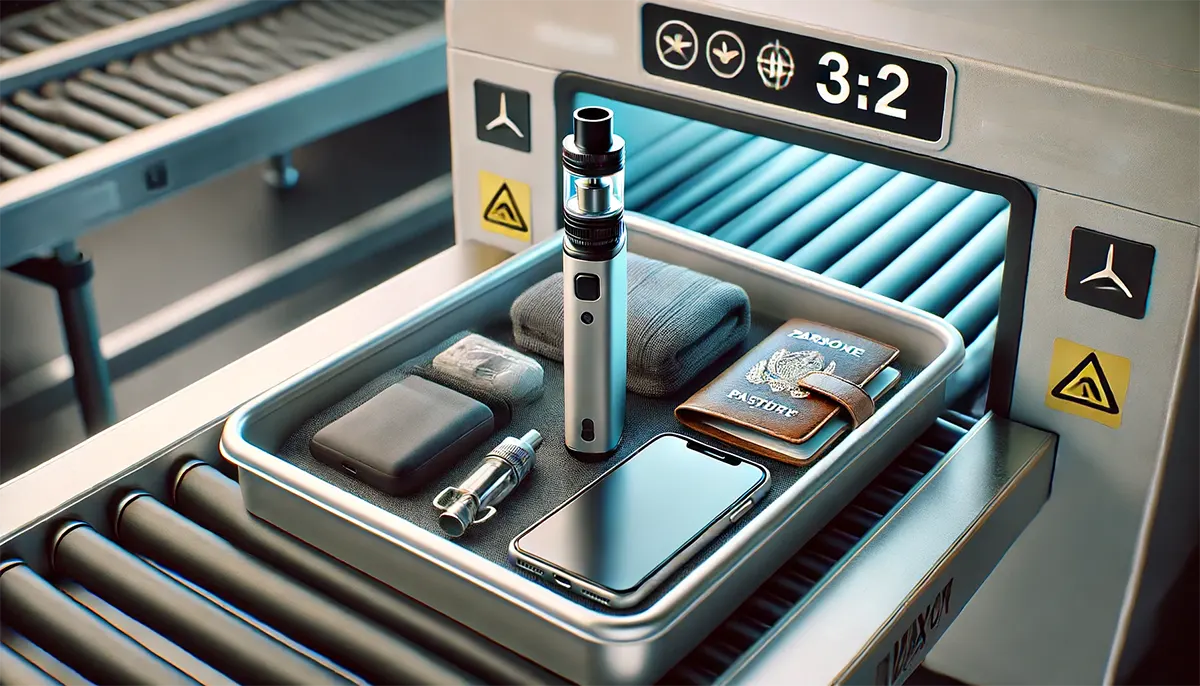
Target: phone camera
587, 318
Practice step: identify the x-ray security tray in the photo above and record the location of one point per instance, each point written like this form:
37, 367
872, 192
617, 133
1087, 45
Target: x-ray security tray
589, 643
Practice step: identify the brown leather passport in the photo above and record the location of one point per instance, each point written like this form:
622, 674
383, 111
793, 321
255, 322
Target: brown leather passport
787, 390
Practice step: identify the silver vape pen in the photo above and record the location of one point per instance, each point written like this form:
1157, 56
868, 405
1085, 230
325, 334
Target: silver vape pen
594, 285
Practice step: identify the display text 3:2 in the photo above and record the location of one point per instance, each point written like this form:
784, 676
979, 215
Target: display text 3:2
888, 92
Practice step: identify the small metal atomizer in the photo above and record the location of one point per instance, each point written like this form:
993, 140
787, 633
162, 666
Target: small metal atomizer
474, 500
595, 287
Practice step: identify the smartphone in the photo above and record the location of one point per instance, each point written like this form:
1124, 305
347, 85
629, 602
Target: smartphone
616, 540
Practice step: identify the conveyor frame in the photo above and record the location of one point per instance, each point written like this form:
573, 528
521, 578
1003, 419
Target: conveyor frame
52, 207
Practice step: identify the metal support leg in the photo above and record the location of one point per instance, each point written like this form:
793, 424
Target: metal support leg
280, 173
69, 272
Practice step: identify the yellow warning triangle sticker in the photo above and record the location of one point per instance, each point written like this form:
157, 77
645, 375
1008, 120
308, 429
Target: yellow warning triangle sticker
1088, 386
1087, 382
503, 210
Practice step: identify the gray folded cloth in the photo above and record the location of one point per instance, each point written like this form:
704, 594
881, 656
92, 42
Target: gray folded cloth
679, 323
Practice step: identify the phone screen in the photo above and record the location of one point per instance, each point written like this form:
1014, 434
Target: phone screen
626, 526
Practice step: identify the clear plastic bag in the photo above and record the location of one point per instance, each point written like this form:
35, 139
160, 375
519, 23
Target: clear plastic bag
486, 365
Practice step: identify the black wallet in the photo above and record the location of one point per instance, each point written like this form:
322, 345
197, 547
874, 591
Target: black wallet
405, 436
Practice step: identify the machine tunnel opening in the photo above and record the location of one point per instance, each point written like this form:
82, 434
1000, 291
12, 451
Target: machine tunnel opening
934, 245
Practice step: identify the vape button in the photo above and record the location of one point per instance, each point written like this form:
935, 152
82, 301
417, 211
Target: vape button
589, 431
587, 287
741, 510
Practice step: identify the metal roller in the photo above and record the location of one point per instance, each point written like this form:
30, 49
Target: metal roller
117, 8
10, 169
289, 34
268, 34
214, 501
217, 64
101, 102
944, 239
354, 12
407, 13
662, 151
24, 41
47, 26
298, 23
881, 247
83, 641
972, 315
324, 16
133, 92
207, 631
41, 659
15, 670
782, 202
859, 223
743, 161
815, 216
14, 145
683, 167
141, 69
954, 279
149, 528
67, 113
56, 136
735, 199
200, 77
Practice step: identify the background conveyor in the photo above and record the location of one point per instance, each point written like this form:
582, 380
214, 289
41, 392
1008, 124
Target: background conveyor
61, 22
95, 127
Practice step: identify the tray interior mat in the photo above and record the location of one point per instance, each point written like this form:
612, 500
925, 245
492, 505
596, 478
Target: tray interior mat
556, 475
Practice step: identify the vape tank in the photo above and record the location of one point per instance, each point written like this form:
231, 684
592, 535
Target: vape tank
474, 501
594, 285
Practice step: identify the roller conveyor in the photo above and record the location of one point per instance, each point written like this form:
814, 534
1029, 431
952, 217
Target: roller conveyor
932, 245
134, 123
61, 22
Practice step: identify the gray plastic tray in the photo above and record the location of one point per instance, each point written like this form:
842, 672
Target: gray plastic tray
584, 643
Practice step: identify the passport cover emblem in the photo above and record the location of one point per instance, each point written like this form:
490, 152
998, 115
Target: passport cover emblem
783, 370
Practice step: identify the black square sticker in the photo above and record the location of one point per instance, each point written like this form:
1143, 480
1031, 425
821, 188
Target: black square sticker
1109, 272
502, 115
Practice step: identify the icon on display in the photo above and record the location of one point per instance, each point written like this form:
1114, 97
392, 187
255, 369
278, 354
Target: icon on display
1114, 282
1109, 272
776, 66
502, 118
726, 54
675, 42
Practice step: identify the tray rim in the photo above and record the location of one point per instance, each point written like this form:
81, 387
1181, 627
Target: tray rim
592, 625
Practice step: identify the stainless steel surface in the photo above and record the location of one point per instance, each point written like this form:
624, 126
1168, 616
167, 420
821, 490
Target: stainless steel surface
892, 598
579, 642
119, 41
159, 334
144, 450
60, 203
594, 354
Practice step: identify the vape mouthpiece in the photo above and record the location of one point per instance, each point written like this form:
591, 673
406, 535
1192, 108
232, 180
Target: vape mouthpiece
533, 438
593, 129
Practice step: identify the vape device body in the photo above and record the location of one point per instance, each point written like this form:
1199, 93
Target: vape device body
595, 285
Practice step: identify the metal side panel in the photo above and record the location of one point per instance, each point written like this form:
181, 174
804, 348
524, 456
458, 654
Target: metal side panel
877, 614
